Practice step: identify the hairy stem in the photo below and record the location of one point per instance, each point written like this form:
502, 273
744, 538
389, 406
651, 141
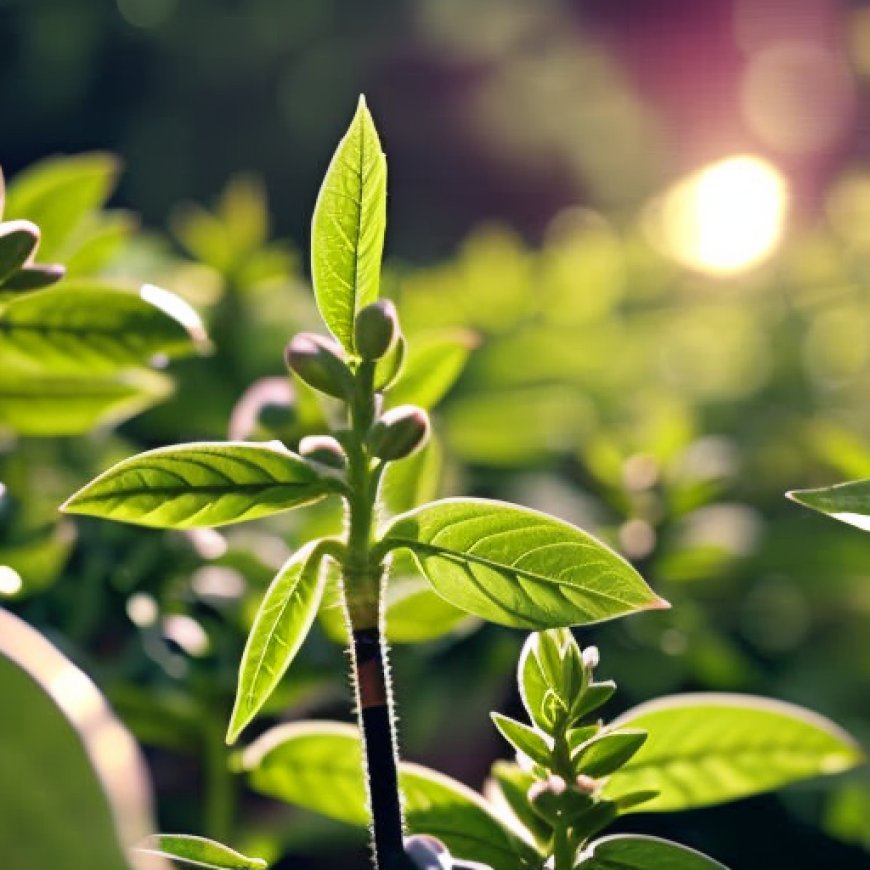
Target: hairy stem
363, 576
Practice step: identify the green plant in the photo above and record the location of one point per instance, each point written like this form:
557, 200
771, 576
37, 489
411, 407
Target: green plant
491, 559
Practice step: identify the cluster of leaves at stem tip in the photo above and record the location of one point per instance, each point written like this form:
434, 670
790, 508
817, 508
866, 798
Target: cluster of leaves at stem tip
499, 562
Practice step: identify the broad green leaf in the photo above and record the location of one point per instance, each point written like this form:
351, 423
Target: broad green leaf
524, 739
432, 365
347, 232
73, 788
847, 502
198, 852
87, 328
49, 405
518, 567
201, 484
636, 852
317, 765
280, 627
58, 194
607, 752
707, 748
18, 240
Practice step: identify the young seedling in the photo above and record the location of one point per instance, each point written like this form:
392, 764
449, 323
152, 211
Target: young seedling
500, 562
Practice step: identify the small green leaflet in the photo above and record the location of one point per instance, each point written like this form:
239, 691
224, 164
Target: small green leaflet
707, 748
198, 852
280, 627
50, 405
847, 502
433, 363
518, 567
88, 329
317, 765
202, 484
635, 852
347, 232
524, 739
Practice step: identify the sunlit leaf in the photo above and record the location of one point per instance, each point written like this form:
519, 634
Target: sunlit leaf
524, 739
432, 365
201, 484
317, 765
635, 852
70, 772
87, 328
847, 502
347, 234
709, 747
46, 405
518, 567
57, 194
198, 852
282, 622
415, 613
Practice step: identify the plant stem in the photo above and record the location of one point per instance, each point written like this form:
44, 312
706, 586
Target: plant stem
563, 854
220, 787
363, 576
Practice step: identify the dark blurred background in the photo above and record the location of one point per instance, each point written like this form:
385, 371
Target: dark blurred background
711, 158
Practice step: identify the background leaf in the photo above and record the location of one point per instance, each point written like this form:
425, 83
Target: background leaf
46, 405
281, 625
87, 328
198, 852
433, 363
74, 788
347, 233
518, 567
634, 852
317, 765
707, 748
201, 484
848, 502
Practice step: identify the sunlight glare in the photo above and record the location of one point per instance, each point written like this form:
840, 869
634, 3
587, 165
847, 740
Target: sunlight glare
724, 218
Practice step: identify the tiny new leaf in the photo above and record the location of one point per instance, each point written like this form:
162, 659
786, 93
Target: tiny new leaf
848, 502
280, 627
347, 232
524, 739
201, 484
318, 766
707, 748
518, 567
637, 852
198, 852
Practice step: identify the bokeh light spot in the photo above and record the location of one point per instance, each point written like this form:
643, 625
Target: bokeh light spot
724, 218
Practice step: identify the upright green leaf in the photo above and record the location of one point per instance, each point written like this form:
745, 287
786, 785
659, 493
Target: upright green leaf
347, 233
707, 748
607, 752
201, 484
280, 627
524, 739
50, 405
198, 852
848, 502
635, 852
518, 567
88, 329
317, 765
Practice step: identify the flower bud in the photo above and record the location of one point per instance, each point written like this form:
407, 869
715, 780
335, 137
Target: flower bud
591, 658
317, 360
399, 433
427, 853
375, 329
323, 449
